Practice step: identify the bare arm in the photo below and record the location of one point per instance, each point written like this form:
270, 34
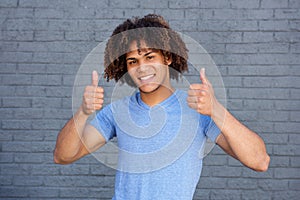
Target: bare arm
76, 139
236, 139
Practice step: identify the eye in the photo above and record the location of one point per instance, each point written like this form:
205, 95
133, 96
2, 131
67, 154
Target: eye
131, 62
150, 57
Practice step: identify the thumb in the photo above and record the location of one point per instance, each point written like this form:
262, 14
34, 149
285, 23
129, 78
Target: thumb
95, 78
203, 76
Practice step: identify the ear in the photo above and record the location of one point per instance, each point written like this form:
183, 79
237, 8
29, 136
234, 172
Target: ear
168, 59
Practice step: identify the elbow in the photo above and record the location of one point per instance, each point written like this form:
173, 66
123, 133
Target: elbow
263, 165
58, 159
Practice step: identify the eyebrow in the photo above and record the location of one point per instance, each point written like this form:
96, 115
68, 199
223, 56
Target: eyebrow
146, 54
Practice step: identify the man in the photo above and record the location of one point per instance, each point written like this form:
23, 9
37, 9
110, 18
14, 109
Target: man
149, 60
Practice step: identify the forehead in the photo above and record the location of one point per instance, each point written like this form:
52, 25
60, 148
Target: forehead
134, 49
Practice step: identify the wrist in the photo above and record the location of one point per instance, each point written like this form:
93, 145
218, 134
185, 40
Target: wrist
219, 114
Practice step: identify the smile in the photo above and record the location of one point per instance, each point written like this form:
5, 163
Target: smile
146, 78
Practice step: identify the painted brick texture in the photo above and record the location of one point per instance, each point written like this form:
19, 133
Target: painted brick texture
255, 44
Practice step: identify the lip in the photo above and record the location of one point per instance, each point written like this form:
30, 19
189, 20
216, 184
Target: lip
146, 78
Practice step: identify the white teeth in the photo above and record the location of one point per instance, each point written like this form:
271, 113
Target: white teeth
146, 77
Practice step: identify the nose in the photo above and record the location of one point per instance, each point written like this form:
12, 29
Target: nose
142, 67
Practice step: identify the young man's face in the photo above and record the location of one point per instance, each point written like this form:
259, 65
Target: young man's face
147, 68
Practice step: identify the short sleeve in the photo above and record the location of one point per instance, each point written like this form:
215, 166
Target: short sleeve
104, 123
211, 130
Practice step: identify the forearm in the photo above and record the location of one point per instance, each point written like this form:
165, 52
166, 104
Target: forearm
246, 145
69, 141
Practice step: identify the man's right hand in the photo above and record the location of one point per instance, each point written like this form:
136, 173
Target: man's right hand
93, 96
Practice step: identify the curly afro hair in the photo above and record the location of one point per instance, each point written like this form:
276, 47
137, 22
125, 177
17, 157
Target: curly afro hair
155, 31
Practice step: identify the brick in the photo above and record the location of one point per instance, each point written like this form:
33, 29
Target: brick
279, 161
8, 68
41, 102
248, 173
58, 91
16, 79
57, 113
294, 184
26, 24
274, 3
227, 25
6, 157
79, 36
47, 124
15, 169
171, 14
248, 70
226, 194
16, 124
48, 13
261, 105
287, 13
43, 192
30, 91
86, 192
243, 14
17, 35
5, 135
48, 170
28, 181
294, 4
101, 170
256, 194
16, 102
294, 25
212, 183
244, 4
294, 139
182, 4
250, 37
287, 37
258, 93
153, 4
294, 116
276, 138
295, 161
46, 4
49, 36
31, 68
242, 183
183, 25
277, 195
16, 57
295, 48
11, 192
33, 158
283, 173
295, 94
218, 160
47, 80
94, 3
5, 180
75, 169
290, 127
287, 105
54, 57
214, 4
9, 3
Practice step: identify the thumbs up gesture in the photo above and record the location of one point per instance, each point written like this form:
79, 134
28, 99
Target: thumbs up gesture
201, 96
93, 96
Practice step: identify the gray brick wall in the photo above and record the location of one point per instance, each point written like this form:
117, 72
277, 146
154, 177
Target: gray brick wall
255, 45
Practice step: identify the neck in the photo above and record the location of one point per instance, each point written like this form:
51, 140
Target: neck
155, 97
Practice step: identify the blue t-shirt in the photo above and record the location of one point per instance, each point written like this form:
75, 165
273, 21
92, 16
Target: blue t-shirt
160, 147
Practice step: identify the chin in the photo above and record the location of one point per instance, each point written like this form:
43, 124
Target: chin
149, 88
